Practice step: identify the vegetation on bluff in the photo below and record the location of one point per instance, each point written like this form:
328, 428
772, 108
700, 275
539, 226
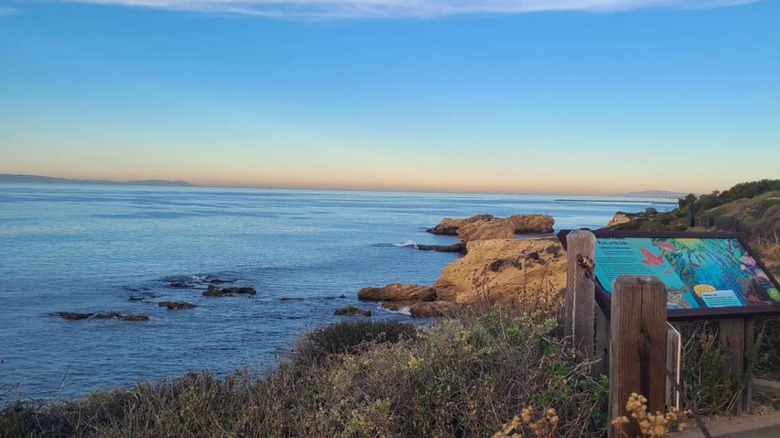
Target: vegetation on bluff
461, 377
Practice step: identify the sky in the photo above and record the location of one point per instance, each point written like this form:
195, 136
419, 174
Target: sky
503, 96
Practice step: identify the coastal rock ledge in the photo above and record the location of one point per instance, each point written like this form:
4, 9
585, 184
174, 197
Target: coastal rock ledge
398, 292
520, 271
486, 226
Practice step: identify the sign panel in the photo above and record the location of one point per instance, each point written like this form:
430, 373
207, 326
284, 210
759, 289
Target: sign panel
703, 272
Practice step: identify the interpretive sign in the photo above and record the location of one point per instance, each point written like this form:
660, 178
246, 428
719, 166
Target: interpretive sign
706, 274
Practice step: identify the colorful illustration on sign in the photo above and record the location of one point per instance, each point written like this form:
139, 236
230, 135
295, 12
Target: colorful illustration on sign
698, 272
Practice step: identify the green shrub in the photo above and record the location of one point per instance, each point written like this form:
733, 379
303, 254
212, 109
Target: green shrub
349, 337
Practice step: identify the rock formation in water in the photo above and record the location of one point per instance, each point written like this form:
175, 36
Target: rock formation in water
176, 305
398, 292
486, 226
214, 291
618, 219
74, 316
498, 270
484, 230
352, 311
492, 271
449, 226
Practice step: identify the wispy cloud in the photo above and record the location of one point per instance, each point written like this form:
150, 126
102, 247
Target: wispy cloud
349, 9
8, 11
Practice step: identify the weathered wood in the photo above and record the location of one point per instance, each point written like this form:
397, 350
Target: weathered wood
750, 340
638, 312
584, 318
602, 343
673, 364
732, 336
580, 250
654, 330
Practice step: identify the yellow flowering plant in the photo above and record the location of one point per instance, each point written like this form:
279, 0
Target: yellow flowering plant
650, 425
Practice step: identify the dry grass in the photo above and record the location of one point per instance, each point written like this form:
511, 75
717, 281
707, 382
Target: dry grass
462, 377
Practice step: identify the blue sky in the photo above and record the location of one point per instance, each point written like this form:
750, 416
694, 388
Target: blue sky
602, 96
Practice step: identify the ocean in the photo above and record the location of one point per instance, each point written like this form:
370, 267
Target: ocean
94, 249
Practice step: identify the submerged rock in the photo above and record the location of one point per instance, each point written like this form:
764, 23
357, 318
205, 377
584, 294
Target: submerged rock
72, 316
176, 305
144, 296
108, 315
134, 318
290, 299
333, 297
398, 292
214, 291
181, 285
457, 247
352, 311
216, 280
118, 316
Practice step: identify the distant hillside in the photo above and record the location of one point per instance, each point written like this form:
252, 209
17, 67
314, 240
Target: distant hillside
655, 194
752, 209
52, 180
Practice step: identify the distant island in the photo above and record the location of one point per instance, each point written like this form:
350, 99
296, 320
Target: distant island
655, 194
6, 177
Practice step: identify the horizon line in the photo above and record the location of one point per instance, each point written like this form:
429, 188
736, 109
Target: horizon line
183, 183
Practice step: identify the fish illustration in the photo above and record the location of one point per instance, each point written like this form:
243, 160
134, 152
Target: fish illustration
652, 259
666, 246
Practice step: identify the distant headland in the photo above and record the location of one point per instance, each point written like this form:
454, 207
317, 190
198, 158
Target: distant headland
6, 177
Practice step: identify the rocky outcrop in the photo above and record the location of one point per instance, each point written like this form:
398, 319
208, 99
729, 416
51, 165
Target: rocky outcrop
485, 230
176, 305
398, 292
618, 219
214, 291
526, 271
486, 226
449, 226
531, 223
352, 311
495, 270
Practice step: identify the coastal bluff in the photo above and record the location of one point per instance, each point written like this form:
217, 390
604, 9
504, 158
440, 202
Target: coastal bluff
496, 268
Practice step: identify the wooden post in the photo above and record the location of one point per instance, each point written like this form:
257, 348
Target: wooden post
602, 343
750, 341
638, 313
584, 305
673, 356
580, 290
734, 336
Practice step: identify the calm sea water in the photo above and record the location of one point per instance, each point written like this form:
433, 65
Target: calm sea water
83, 248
